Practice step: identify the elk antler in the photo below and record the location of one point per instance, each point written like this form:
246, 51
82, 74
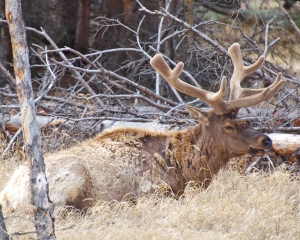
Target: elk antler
240, 72
238, 97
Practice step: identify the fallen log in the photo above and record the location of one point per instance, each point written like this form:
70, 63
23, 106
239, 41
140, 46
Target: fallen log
285, 144
13, 124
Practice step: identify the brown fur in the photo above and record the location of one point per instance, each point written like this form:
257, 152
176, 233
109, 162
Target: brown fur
130, 163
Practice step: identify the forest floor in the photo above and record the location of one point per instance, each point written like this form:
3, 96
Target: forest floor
257, 205
235, 206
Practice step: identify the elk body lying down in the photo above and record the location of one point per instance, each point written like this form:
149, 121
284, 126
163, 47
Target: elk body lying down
130, 163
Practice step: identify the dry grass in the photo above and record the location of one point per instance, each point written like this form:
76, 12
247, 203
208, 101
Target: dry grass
256, 206
235, 206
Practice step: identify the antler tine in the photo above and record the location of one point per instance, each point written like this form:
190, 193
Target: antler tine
245, 97
263, 95
172, 77
276, 85
241, 71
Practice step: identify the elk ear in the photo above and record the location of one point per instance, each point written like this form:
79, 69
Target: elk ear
197, 114
233, 114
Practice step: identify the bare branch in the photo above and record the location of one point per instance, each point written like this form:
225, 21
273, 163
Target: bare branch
288, 16
7, 74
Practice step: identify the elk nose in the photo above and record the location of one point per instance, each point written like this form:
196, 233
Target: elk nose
267, 142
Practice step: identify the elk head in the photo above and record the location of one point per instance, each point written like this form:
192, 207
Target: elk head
234, 134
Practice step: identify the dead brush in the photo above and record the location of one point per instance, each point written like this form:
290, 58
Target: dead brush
254, 206
55, 138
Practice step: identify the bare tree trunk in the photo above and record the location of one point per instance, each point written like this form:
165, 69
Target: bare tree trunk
82, 29
68, 18
3, 232
5, 47
43, 208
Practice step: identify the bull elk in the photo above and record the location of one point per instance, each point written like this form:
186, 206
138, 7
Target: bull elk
130, 162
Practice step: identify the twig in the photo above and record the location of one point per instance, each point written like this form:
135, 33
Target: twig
181, 105
288, 16
157, 76
252, 165
9, 106
96, 52
274, 42
122, 119
270, 163
266, 40
7, 74
118, 23
11, 141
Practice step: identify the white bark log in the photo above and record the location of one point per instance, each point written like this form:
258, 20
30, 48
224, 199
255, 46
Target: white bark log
14, 123
285, 144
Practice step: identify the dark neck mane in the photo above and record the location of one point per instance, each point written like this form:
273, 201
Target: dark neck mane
194, 155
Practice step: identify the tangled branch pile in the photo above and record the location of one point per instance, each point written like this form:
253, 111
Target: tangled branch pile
76, 93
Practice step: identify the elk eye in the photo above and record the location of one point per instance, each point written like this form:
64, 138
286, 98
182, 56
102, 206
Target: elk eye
228, 128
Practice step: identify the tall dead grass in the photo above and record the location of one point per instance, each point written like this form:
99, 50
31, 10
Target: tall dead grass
255, 206
235, 206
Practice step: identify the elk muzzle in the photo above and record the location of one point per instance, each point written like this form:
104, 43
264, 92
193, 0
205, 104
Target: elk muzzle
264, 144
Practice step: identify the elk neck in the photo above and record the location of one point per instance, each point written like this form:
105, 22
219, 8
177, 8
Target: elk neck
195, 154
